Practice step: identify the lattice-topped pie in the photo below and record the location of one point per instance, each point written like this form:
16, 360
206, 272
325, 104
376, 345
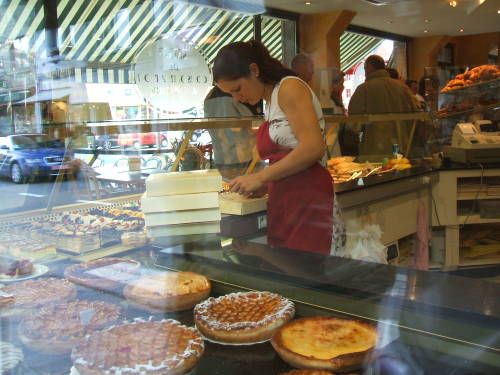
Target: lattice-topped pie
170, 291
104, 273
58, 327
325, 343
19, 298
145, 348
243, 318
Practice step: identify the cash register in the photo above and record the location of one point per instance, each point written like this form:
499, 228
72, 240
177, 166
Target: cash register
477, 142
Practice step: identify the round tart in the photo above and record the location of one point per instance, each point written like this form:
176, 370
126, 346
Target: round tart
170, 291
243, 318
20, 298
58, 327
104, 273
146, 348
10, 357
325, 343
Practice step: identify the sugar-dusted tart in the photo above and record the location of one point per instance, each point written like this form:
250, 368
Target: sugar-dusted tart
22, 297
243, 318
170, 291
58, 327
325, 343
146, 348
104, 273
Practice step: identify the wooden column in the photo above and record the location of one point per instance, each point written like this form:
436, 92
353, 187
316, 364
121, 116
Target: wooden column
424, 52
320, 38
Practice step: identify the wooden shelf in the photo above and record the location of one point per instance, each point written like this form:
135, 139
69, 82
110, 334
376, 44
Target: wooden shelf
472, 110
480, 261
453, 91
475, 219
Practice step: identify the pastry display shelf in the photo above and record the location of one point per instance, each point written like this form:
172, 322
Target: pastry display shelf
492, 82
481, 108
452, 186
490, 259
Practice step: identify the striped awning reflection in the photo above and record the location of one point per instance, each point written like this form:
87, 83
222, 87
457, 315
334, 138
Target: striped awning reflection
272, 36
24, 21
103, 37
114, 32
354, 48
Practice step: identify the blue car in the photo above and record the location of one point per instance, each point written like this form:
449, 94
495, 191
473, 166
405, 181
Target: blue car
25, 155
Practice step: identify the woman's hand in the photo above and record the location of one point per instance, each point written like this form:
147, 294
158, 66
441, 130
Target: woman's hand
247, 185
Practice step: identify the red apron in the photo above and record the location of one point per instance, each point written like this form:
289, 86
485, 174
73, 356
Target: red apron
300, 206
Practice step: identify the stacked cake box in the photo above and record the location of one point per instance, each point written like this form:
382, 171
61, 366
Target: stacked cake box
182, 203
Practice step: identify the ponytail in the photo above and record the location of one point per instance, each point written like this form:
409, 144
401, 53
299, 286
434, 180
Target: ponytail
233, 62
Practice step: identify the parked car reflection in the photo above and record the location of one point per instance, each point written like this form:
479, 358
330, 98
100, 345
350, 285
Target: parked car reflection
25, 155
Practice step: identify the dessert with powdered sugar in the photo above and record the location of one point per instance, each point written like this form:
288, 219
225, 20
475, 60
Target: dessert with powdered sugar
139, 348
58, 327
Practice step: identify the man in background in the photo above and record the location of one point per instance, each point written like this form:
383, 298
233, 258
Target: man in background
233, 147
303, 66
380, 94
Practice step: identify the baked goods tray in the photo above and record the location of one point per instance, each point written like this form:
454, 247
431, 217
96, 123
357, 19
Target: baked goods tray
11, 220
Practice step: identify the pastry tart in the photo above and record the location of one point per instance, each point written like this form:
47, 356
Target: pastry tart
325, 343
104, 273
170, 291
20, 298
243, 318
145, 348
58, 327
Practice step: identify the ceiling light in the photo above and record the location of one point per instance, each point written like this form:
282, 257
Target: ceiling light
453, 3
427, 20
388, 22
461, 30
307, 3
426, 31
498, 11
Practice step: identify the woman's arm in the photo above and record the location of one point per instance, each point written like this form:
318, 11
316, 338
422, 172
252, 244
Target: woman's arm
295, 100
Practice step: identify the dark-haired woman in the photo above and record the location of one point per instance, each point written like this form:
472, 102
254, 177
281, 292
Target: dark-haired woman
301, 199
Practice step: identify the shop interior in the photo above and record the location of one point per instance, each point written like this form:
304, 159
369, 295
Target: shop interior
121, 232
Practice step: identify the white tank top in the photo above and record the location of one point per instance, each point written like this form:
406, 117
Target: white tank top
280, 130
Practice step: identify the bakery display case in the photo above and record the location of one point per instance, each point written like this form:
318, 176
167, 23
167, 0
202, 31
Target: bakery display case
425, 322
108, 271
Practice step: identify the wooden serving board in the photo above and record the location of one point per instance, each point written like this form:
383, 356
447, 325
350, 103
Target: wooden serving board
236, 204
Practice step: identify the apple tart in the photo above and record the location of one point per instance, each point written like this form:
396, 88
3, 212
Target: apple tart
243, 318
22, 297
142, 348
58, 327
170, 291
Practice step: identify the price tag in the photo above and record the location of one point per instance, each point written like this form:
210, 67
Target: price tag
86, 316
262, 222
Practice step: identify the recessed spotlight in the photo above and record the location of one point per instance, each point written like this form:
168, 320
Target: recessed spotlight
307, 3
453, 4
461, 30
426, 31
498, 11
427, 20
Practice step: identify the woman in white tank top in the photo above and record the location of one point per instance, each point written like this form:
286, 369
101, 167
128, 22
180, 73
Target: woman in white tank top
300, 206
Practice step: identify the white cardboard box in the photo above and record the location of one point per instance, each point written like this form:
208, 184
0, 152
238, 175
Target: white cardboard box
189, 182
184, 229
179, 202
236, 204
181, 217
